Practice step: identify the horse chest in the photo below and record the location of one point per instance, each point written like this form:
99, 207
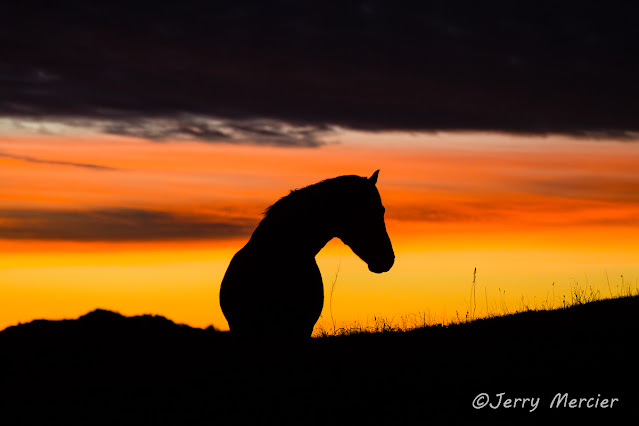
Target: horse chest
274, 280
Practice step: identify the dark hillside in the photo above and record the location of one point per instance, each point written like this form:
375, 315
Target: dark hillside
104, 368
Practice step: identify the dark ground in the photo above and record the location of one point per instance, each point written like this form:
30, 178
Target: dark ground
104, 368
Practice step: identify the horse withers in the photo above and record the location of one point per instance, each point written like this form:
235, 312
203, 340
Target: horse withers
273, 289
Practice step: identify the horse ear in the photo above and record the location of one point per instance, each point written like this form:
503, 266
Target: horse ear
373, 179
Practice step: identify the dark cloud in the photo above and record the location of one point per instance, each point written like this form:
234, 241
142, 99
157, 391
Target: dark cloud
30, 159
264, 132
526, 67
117, 224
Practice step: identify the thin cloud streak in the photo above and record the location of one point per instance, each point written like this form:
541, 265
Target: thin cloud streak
30, 159
117, 224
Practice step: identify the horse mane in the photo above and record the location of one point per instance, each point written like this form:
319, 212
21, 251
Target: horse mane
306, 192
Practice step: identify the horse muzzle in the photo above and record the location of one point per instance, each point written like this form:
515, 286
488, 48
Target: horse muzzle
379, 267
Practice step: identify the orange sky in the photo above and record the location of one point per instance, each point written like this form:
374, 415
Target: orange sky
527, 212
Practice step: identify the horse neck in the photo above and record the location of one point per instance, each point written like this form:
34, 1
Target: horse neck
293, 235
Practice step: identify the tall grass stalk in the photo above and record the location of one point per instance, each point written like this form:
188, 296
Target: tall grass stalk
330, 302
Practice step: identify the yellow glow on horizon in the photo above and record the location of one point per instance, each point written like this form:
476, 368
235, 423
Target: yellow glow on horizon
526, 212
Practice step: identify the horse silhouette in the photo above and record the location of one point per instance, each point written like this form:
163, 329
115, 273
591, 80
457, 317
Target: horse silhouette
273, 289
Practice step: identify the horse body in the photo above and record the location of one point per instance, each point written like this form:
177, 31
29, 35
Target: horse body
286, 305
273, 288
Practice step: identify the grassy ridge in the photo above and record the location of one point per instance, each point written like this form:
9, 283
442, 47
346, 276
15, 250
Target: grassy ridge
104, 368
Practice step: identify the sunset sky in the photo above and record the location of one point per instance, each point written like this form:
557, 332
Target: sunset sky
139, 149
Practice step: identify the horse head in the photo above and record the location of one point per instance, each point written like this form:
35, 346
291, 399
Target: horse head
362, 226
